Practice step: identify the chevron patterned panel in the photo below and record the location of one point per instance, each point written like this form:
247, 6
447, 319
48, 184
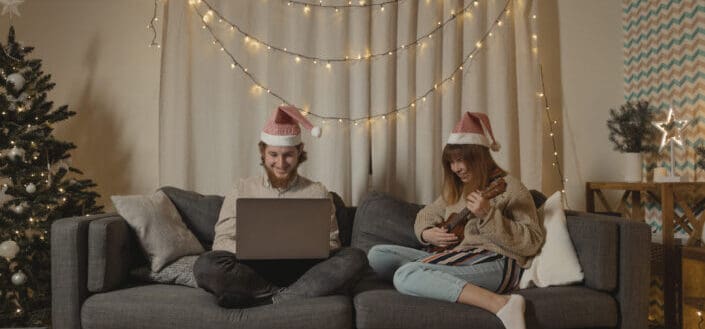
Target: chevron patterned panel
664, 63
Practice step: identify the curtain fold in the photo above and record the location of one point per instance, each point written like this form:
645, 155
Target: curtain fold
211, 112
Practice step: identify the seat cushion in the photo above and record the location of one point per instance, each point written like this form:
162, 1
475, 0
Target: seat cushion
554, 307
167, 306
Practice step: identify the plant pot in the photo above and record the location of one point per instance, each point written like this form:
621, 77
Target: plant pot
632, 167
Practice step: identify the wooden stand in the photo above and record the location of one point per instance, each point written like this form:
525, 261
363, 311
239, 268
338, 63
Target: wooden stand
668, 195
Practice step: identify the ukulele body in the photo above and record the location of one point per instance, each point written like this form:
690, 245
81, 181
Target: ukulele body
456, 221
454, 224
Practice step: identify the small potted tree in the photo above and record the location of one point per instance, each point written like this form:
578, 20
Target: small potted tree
632, 133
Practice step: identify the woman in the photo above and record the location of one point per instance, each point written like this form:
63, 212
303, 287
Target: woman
501, 235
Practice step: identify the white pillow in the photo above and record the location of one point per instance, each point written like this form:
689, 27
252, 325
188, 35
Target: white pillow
162, 234
556, 263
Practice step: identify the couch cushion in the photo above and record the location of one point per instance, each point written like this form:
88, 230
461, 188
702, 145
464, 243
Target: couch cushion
382, 219
597, 246
199, 212
554, 307
165, 306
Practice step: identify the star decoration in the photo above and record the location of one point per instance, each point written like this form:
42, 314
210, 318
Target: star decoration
672, 130
11, 7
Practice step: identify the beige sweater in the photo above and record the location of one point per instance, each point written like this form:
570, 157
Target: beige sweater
260, 187
510, 227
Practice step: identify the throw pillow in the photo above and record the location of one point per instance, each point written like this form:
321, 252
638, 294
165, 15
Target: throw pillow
199, 212
179, 272
161, 233
383, 219
556, 263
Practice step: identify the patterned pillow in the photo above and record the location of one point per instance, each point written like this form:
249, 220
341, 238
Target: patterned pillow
179, 272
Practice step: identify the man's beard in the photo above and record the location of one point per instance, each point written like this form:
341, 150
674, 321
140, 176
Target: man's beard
281, 182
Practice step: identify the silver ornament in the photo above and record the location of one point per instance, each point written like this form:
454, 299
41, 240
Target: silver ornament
17, 80
18, 209
9, 249
19, 278
15, 152
31, 188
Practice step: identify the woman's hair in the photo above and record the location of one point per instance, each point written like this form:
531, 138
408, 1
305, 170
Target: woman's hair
479, 163
302, 154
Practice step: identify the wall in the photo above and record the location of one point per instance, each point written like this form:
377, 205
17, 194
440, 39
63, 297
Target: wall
584, 74
97, 53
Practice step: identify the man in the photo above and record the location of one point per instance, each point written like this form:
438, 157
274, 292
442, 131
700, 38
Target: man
240, 284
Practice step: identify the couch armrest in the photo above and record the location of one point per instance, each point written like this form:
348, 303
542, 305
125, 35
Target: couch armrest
109, 258
633, 270
69, 258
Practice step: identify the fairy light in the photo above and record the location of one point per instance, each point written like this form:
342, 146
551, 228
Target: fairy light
152, 26
467, 60
213, 12
551, 123
349, 5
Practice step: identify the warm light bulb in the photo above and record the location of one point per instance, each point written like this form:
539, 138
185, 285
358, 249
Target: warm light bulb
298, 59
232, 66
478, 44
475, 3
499, 23
328, 65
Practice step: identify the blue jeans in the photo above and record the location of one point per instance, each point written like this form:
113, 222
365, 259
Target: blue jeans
444, 282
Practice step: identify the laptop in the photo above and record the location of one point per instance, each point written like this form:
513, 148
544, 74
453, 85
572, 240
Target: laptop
282, 228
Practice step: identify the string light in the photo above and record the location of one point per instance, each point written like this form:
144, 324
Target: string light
152, 26
469, 58
212, 11
556, 160
360, 4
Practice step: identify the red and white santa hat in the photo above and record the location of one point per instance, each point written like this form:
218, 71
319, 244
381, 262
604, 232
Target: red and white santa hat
474, 128
282, 129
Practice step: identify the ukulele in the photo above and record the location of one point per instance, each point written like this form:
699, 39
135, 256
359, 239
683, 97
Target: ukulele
456, 221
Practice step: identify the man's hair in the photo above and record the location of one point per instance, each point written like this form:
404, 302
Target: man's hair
302, 154
479, 163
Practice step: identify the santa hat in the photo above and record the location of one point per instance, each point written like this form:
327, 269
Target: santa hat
282, 129
473, 128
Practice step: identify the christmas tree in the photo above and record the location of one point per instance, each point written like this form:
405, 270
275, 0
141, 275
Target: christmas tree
37, 186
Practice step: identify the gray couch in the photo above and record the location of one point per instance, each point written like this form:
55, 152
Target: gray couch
92, 256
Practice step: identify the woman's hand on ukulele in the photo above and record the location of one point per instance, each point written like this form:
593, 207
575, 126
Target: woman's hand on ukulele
439, 237
477, 204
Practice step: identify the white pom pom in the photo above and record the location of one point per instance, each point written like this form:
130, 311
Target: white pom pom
316, 131
495, 146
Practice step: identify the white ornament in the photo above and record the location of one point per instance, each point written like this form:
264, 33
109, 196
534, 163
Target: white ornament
31, 188
9, 249
18, 209
15, 152
17, 80
10, 6
19, 278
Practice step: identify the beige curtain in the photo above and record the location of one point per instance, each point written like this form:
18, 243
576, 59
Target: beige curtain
211, 114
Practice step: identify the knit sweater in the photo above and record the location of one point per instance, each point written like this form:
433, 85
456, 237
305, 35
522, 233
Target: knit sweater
510, 227
260, 187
